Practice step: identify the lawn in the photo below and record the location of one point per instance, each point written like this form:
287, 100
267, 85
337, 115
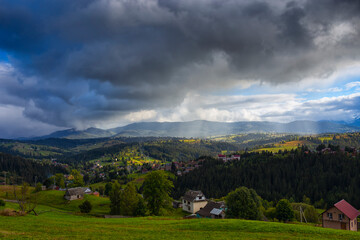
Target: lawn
52, 224
55, 199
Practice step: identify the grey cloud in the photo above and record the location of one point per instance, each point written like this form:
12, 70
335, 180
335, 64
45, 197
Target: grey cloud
98, 59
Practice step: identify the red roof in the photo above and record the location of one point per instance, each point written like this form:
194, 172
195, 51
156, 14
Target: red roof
220, 155
347, 209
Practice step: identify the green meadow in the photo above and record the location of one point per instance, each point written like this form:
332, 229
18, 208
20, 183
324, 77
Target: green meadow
55, 224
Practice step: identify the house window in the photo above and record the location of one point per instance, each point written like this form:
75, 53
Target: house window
330, 216
351, 224
200, 197
184, 201
341, 217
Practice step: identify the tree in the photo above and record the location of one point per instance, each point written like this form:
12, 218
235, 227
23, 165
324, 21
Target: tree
140, 208
77, 179
284, 211
26, 204
85, 207
38, 187
60, 180
86, 178
306, 200
108, 187
101, 190
115, 199
156, 190
129, 200
243, 203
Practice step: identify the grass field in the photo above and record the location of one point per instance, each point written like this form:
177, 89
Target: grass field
60, 219
284, 146
52, 224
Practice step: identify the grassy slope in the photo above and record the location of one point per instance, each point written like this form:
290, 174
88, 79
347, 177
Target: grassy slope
57, 225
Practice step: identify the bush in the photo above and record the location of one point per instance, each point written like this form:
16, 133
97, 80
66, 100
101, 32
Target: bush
2, 203
11, 212
270, 213
310, 212
284, 211
85, 207
38, 187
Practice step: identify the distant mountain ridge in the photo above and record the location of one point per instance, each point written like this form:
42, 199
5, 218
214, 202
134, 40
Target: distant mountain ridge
78, 134
202, 128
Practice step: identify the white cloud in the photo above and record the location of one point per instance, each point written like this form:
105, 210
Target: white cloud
140, 116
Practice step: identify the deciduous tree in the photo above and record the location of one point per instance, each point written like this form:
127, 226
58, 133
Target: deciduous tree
243, 203
115, 198
156, 190
284, 211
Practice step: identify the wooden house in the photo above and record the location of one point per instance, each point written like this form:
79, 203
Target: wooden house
193, 201
76, 193
341, 216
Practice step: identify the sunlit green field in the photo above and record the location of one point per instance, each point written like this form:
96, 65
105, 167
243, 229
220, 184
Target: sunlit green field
52, 224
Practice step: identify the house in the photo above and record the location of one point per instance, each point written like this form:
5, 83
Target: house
193, 201
222, 157
340, 216
212, 210
76, 193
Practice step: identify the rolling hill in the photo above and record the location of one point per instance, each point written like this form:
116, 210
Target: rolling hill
201, 128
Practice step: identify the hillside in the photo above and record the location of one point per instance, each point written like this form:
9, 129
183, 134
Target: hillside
203, 129
54, 224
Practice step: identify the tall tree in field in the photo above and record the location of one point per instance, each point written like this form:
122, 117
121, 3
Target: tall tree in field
243, 203
156, 191
108, 188
115, 196
284, 211
23, 198
129, 200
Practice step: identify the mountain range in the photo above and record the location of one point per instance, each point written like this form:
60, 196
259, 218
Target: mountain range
201, 128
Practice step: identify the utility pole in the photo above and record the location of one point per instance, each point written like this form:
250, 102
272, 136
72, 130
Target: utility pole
302, 214
5, 177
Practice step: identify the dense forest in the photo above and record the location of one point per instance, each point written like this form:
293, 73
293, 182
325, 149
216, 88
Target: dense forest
20, 169
328, 176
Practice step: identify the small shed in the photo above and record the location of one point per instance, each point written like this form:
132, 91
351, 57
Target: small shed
76, 193
212, 210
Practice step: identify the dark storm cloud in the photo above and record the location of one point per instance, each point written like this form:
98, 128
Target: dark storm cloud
94, 59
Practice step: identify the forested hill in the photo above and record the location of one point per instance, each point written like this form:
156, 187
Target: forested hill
19, 169
331, 176
201, 128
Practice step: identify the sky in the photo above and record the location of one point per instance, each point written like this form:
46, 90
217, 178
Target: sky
107, 63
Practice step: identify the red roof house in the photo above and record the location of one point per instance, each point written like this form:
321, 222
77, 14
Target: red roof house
341, 216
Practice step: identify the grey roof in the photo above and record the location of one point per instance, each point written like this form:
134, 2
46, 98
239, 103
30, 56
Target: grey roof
206, 211
216, 211
191, 195
76, 191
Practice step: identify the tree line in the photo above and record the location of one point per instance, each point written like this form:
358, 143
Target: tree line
22, 169
325, 178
